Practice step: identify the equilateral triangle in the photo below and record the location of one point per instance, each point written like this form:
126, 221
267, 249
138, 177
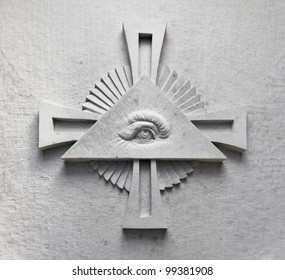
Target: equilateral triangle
143, 124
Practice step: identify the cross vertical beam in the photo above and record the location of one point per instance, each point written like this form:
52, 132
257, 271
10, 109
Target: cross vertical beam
134, 31
145, 212
145, 207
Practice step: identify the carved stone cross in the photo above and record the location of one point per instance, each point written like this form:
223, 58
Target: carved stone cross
148, 132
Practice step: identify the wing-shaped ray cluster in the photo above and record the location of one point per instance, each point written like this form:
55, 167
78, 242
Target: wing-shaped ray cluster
119, 173
108, 91
172, 172
180, 92
116, 83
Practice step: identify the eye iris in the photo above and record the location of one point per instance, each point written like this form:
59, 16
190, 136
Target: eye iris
145, 134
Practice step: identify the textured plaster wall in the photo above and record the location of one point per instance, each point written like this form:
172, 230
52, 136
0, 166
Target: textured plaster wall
233, 51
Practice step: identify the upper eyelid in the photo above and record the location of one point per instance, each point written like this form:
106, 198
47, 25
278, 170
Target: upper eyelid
144, 124
153, 118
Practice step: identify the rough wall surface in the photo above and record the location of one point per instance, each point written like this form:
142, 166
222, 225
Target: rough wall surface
233, 51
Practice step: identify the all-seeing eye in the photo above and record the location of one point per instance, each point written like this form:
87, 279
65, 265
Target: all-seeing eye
144, 127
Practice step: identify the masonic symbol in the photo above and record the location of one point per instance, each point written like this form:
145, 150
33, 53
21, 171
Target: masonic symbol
148, 133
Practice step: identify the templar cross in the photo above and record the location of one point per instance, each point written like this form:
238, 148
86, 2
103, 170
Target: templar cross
148, 133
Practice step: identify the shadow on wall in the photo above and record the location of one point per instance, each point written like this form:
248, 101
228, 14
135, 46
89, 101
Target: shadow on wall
146, 234
236, 156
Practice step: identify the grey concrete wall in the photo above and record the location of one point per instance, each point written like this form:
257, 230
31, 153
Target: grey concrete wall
233, 51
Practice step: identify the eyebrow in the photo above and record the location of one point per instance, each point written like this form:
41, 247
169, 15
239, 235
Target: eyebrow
151, 117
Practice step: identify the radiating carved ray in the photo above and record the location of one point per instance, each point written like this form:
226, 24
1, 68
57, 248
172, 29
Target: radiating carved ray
178, 170
113, 76
128, 74
194, 163
186, 96
195, 107
197, 112
160, 180
105, 90
118, 172
164, 76
93, 99
170, 81
181, 91
107, 81
177, 85
96, 101
123, 177
95, 164
112, 166
186, 166
102, 96
88, 106
128, 181
103, 167
171, 173
164, 175
122, 77
190, 102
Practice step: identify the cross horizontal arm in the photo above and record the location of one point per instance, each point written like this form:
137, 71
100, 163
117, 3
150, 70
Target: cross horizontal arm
233, 138
48, 113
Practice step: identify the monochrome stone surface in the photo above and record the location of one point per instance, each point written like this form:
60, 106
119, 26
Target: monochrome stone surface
232, 51
142, 123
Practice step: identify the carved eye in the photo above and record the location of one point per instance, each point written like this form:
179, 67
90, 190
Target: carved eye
144, 127
140, 131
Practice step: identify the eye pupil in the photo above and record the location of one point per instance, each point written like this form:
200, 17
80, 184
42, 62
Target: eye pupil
145, 134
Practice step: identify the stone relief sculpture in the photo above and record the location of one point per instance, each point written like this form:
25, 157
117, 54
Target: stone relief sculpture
148, 132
